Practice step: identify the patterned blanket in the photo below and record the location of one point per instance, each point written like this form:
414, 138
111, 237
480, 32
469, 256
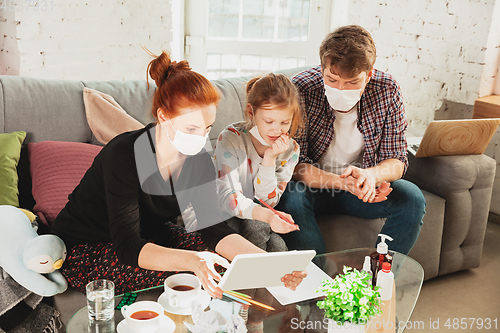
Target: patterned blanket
22, 311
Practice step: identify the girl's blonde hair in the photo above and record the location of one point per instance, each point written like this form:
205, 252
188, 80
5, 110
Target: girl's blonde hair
277, 90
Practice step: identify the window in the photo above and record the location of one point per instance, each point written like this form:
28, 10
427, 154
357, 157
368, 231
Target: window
230, 38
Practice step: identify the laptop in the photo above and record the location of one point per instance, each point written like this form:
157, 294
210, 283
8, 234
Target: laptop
454, 137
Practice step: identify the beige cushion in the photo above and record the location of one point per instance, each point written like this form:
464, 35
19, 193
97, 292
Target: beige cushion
106, 117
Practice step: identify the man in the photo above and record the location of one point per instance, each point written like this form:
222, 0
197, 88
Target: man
354, 144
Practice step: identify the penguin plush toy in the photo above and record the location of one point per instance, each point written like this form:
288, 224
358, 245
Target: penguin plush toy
31, 260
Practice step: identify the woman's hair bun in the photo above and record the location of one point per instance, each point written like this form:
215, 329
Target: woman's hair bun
162, 67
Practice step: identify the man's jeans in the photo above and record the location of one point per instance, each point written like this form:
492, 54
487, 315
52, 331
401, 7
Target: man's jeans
404, 210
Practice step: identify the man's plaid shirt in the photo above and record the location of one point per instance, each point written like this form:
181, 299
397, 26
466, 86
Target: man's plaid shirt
381, 118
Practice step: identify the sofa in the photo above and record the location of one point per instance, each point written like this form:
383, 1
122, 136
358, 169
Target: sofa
457, 189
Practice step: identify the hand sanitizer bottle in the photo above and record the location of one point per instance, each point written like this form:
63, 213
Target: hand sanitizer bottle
367, 269
385, 280
380, 256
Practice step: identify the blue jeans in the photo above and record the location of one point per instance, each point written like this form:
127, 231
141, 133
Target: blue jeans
403, 210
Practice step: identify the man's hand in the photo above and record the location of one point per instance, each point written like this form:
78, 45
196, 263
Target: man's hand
380, 193
365, 181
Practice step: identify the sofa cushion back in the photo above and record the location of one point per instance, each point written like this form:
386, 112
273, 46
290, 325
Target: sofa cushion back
44, 109
231, 104
54, 110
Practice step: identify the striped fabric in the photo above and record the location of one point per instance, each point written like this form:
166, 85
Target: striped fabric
56, 169
381, 118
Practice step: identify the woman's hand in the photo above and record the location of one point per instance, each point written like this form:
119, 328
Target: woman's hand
291, 281
280, 226
203, 268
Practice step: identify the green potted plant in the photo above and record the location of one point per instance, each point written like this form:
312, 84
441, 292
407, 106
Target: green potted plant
350, 301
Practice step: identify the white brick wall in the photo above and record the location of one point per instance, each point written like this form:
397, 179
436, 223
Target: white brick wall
84, 40
435, 47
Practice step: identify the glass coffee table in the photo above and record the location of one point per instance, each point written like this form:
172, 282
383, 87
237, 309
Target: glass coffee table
302, 316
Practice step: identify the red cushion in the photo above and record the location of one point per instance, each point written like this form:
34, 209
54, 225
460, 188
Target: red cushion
56, 169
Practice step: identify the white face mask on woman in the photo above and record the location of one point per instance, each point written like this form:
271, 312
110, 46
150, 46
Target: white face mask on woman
342, 100
187, 144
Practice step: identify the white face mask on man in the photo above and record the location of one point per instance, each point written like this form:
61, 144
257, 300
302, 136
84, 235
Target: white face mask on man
342, 100
187, 144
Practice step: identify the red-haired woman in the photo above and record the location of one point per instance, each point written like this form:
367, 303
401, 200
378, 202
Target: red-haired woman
115, 222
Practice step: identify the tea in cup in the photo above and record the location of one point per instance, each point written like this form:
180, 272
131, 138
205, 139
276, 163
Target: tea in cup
143, 317
182, 289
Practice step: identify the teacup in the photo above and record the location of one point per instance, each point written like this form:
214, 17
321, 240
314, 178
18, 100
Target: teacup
143, 317
182, 289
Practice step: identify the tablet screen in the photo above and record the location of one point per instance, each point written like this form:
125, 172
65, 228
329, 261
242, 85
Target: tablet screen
259, 270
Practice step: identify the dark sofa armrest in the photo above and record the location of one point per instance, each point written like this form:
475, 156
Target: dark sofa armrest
466, 183
444, 175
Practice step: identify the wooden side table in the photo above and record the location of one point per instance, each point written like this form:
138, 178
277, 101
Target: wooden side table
487, 107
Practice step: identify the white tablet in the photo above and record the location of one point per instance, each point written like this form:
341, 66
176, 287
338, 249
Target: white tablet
259, 270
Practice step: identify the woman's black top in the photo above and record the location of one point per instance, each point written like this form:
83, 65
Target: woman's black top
123, 199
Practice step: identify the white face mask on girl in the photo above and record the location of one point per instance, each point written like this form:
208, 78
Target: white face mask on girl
255, 132
187, 144
342, 100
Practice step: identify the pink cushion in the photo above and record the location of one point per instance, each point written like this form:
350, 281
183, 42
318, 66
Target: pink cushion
56, 169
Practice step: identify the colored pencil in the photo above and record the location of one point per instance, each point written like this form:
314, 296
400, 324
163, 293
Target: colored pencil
238, 294
275, 211
234, 298
253, 302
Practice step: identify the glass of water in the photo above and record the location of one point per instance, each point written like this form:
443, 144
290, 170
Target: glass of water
101, 306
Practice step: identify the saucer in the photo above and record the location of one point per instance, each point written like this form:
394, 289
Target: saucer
167, 325
204, 300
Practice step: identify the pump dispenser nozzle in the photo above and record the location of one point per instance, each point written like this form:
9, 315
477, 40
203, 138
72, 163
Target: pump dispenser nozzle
382, 247
366, 264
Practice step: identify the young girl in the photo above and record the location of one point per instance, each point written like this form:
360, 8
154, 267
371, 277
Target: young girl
256, 158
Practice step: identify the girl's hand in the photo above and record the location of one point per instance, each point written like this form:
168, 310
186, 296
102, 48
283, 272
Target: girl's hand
293, 280
280, 226
279, 146
203, 268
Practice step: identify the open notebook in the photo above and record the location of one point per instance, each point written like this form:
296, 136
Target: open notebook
454, 137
